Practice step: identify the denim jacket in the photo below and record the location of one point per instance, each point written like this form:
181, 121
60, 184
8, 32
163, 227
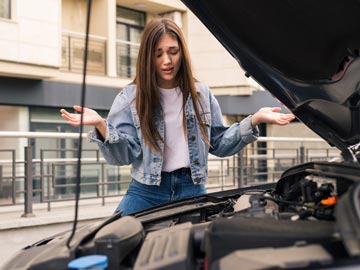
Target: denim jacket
124, 142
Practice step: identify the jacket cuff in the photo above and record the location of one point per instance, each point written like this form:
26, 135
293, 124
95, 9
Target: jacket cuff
247, 132
95, 136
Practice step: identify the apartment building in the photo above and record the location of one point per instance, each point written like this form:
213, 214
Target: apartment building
41, 60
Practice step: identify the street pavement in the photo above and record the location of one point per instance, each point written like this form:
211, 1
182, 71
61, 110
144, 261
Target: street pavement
17, 231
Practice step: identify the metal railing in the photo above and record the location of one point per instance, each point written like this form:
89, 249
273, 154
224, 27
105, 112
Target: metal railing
127, 53
26, 179
265, 164
72, 56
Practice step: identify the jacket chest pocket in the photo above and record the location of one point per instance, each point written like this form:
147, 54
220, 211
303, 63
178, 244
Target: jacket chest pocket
205, 119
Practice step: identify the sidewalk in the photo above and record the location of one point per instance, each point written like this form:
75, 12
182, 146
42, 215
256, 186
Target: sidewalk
17, 232
61, 212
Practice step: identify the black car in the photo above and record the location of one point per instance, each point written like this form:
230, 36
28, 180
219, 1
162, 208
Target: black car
306, 53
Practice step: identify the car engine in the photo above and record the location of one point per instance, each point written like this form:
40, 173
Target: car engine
291, 224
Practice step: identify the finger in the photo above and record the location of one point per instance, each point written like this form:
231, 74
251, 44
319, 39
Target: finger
287, 120
66, 114
289, 117
276, 109
78, 108
285, 116
67, 117
289, 114
283, 123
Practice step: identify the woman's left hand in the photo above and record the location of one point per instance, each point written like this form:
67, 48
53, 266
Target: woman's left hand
271, 115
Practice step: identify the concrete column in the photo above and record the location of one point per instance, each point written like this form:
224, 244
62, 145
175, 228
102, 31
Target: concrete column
111, 39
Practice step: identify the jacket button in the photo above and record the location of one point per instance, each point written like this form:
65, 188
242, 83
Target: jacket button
196, 161
193, 138
198, 180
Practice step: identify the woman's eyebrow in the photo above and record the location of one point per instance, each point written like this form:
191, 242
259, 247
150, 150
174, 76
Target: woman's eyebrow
169, 48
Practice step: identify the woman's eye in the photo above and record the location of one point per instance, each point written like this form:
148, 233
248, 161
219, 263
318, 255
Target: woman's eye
173, 52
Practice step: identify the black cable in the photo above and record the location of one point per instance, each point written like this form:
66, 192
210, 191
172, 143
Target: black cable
82, 104
286, 202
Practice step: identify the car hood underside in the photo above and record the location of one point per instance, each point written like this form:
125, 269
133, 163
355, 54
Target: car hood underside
306, 53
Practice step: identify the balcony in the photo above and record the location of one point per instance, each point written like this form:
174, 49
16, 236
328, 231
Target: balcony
72, 53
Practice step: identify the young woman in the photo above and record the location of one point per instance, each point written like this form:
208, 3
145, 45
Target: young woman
166, 123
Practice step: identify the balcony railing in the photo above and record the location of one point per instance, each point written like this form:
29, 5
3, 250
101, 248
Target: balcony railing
26, 180
127, 53
72, 56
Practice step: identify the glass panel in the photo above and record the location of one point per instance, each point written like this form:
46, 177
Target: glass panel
129, 29
134, 50
5, 9
123, 59
128, 52
135, 35
129, 16
48, 115
6, 192
7, 176
127, 59
121, 32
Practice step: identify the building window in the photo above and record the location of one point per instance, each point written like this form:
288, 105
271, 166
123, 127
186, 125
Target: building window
129, 26
5, 9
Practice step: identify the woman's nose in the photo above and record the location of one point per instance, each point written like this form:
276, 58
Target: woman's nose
167, 58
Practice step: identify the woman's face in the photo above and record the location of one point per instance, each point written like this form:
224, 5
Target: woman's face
167, 61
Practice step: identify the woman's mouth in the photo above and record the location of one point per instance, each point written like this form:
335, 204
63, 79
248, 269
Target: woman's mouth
167, 70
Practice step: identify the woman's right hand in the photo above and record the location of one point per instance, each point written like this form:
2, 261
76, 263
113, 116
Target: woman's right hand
90, 118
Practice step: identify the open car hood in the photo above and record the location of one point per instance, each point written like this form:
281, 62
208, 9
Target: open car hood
306, 53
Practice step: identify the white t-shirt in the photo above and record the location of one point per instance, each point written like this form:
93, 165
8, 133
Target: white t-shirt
176, 152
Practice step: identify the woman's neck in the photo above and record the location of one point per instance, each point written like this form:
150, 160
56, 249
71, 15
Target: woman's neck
168, 84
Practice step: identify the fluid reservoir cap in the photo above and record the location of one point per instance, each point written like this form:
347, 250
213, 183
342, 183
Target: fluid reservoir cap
89, 262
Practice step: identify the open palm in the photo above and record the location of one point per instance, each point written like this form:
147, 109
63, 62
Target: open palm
272, 115
90, 118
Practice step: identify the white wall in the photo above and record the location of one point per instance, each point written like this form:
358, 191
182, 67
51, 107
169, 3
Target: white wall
212, 63
33, 34
13, 118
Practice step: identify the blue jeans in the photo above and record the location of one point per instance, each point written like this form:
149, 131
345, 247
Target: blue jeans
174, 185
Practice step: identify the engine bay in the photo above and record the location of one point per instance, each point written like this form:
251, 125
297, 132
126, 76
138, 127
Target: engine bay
291, 224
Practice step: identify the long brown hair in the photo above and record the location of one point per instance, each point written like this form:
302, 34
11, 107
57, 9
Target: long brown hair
147, 93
